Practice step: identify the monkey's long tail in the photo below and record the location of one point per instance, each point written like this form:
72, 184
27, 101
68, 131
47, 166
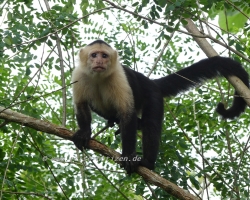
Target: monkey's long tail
201, 71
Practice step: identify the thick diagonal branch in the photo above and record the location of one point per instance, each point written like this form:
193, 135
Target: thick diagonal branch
12, 116
239, 86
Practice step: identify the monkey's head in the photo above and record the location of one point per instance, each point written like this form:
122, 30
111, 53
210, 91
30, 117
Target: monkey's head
98, 57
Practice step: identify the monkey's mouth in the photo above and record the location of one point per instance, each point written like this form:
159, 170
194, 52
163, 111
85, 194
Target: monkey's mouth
99, 69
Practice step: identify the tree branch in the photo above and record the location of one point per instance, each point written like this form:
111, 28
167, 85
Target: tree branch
47, 127
239, 86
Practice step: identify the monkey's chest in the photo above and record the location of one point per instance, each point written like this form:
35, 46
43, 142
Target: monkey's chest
111, 99
104, 103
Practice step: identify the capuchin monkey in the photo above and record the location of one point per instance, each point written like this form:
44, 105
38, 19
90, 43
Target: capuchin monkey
120, 94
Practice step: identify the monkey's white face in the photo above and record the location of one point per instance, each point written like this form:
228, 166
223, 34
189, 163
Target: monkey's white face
98, 61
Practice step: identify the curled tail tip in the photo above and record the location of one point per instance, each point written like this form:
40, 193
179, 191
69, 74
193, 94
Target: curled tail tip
230, 113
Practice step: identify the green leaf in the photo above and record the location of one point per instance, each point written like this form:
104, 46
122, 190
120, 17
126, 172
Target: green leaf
194, 182
233, 21
9, 16
135, 4
8, 40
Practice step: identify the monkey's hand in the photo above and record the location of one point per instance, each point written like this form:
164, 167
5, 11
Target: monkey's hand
130, 162
147, 164
81, 139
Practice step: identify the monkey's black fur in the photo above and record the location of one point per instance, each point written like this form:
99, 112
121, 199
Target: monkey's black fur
148, 101
203, 70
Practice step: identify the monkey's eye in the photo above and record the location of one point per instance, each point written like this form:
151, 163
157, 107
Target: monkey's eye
104, 55
93, 55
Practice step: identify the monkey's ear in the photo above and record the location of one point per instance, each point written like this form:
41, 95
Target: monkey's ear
83, 56
114, 57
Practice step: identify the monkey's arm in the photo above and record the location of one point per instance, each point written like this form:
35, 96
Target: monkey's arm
128, 126
83, 115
